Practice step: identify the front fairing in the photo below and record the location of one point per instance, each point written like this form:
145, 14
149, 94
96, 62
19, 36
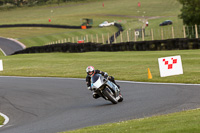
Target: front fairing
97, 80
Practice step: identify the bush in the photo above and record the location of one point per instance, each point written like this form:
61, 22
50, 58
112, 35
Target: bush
169, 44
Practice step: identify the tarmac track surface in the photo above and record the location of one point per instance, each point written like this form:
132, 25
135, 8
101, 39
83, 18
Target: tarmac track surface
50, 105
9, 46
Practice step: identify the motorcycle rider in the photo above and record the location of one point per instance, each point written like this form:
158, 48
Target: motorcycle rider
90, 72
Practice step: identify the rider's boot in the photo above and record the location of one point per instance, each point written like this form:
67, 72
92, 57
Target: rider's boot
95, 95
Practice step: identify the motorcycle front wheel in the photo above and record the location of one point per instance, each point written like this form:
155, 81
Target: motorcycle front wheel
108, 93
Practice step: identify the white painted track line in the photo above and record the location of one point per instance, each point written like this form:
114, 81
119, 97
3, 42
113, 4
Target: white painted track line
6, 119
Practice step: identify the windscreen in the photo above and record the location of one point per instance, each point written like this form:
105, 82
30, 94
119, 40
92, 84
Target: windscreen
95, 77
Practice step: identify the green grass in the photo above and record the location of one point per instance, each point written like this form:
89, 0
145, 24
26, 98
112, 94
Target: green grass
1, 53
41, 36
1, 120
130, 65
182, 122
122, 65
72, 13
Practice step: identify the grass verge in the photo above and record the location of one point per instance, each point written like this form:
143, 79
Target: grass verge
130, 65
182, 122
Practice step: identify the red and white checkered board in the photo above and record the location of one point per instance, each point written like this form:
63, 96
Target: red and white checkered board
170, 66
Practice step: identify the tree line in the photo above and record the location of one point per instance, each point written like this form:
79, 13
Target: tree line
190, 12
20, 3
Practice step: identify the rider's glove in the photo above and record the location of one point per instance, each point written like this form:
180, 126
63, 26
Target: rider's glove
89, 88
106, 75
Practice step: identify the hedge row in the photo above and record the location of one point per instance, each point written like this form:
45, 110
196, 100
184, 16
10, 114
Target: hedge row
169, 44
64, 47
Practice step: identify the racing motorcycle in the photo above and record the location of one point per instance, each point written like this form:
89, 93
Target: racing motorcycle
106, 89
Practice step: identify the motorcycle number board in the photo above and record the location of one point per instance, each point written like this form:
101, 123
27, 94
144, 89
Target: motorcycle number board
170, 66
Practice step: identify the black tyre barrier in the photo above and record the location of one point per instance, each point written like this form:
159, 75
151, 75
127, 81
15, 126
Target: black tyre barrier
169, 44
42, 25
113, 37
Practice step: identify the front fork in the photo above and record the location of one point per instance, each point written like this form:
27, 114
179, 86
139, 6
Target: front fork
114, 88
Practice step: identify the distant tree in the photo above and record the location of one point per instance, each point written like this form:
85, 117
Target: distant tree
1, 2
190, 12
21, 3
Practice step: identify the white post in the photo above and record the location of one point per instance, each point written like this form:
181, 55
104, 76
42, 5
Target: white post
135, 39
115, 40
152, 34
121, 36
108, 39
196, 31
127, 36
142, 34
162, 37
86, 38
102, 38
184, 34
1, 65
172, 32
